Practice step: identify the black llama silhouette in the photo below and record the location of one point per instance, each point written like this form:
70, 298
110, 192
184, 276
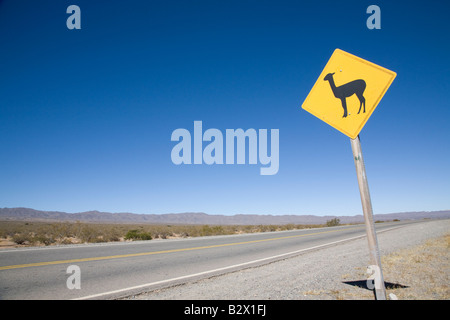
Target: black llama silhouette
346, 90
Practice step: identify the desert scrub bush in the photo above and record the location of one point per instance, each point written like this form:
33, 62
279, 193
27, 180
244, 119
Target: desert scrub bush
333, 222
112, 234
44, 239
3, 234
61, 231
206, 230
163, 234
218, 230
267, 228
22, 238
135, 234
88, 234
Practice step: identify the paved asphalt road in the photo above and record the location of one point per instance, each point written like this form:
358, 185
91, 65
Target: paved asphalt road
118, 269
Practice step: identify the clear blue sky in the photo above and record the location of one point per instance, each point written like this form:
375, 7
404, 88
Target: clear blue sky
86, 115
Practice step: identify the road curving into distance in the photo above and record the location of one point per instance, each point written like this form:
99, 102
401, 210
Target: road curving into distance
112, 270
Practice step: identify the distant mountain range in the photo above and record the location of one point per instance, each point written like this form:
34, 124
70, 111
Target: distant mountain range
27, 214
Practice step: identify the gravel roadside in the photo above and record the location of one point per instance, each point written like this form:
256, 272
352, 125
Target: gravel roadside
336, 272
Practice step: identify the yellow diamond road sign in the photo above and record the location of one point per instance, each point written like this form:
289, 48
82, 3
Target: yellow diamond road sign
347, 92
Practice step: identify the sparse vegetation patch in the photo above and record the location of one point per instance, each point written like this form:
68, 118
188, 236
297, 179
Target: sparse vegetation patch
37, 233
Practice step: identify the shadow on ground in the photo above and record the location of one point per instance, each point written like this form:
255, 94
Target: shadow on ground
363, 284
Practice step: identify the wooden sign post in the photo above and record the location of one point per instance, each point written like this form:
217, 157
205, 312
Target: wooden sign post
380, 290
